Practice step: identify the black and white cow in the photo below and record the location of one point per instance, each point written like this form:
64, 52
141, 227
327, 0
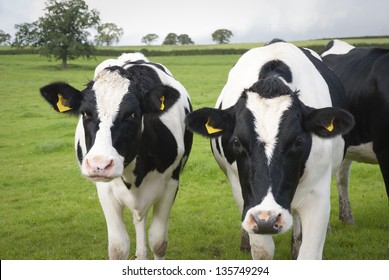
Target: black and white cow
364, 73
275, 132
131, 140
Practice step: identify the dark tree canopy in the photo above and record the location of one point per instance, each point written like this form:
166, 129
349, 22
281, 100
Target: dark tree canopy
222, 36
149, 38
170, 39
108, 33
184, 39
174, 39
5, 38
62, 32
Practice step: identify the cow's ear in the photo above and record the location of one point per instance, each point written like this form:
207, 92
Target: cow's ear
328, 122
159, 99
62, 97
210, 122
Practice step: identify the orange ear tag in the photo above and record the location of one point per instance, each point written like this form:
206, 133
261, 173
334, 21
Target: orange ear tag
212, 130
61, 104
162, 103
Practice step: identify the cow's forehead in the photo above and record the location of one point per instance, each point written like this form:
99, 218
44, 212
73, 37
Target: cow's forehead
110, 88
268, 113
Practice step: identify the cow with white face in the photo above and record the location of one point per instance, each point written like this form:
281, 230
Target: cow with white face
276, 133
131, 140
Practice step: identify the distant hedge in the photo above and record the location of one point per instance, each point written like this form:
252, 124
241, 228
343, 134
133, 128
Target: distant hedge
151, 52
148, 52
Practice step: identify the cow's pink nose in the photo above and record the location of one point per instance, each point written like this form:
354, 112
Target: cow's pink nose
98, 166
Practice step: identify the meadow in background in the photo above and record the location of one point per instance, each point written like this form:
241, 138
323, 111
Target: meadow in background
49, 211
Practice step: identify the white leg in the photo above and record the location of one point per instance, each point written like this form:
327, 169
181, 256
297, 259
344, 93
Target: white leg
262, 247
158, 232
140, 231
342, 182
314, 221
118, 239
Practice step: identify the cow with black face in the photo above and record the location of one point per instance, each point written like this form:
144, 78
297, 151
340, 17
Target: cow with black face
276, 133
132, 141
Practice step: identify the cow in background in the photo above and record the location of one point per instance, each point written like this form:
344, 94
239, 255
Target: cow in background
276, 133
364, 72
131, 140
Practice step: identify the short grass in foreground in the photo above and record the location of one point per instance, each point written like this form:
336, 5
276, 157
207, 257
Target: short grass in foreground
48, 211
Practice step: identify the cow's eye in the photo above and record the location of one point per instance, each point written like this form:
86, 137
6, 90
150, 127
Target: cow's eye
130, 116
298, 142
86, 115
236, 143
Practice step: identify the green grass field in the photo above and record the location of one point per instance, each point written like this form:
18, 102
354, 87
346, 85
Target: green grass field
49, 211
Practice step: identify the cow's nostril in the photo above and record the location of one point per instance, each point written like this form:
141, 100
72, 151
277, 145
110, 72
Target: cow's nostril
110, 164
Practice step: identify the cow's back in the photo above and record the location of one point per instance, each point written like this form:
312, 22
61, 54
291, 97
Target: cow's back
363, 72
246, 72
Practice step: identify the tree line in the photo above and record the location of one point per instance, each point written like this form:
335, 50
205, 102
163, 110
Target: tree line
63, 32
220, 36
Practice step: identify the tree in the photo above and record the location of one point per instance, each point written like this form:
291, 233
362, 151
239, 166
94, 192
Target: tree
184, 39
171, 39
108, 33
222, 36
62, 32
5, 38
27, 35
149, 38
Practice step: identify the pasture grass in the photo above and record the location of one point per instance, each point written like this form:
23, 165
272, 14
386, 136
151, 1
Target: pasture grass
49, 211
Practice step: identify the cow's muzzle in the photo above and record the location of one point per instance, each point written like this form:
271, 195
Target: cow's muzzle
99, 168
267, 222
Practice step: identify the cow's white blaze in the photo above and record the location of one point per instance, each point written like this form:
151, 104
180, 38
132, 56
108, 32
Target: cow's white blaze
267, 118
109, 88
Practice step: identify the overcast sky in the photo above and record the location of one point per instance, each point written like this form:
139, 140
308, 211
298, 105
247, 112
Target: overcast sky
249, 20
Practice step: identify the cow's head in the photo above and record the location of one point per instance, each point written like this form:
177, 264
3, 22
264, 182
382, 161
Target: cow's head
268, 132
112, 107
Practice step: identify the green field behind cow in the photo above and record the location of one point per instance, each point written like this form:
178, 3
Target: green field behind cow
49, 211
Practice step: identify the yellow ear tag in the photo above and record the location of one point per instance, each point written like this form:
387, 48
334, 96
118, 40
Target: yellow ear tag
162, 103
330, 127
212, 130
61, 104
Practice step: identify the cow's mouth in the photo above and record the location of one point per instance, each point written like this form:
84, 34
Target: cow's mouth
100, 179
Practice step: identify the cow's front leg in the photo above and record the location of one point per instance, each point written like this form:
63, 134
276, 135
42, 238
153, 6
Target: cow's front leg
314, 222
158, 232
118, 239
140, 231
262, 246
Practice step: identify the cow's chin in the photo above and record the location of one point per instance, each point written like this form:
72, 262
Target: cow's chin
97, 179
